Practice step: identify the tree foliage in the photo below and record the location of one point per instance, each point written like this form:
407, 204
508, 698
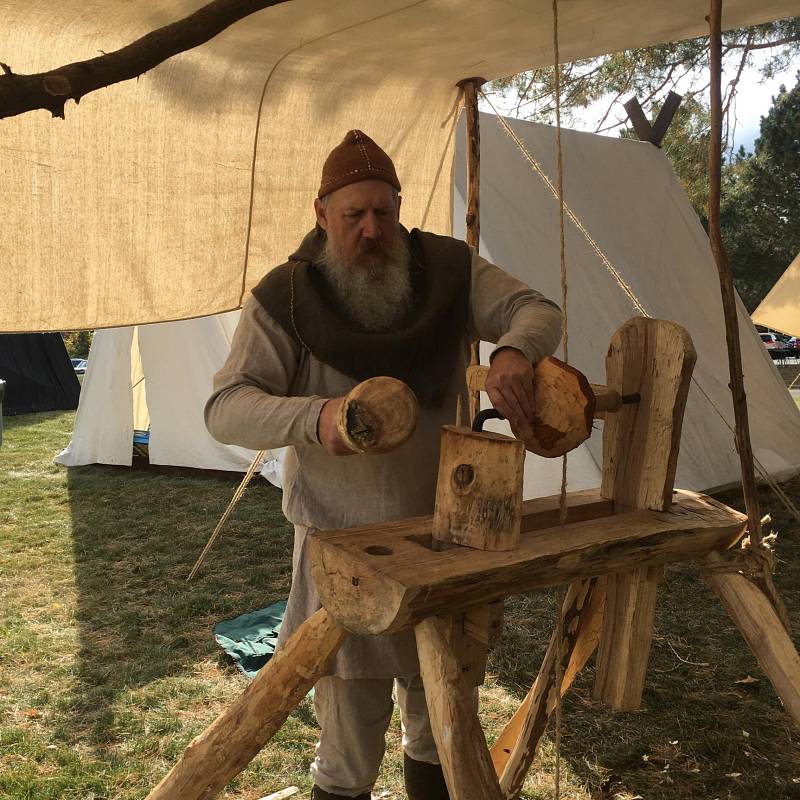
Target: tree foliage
760, 214
78, 343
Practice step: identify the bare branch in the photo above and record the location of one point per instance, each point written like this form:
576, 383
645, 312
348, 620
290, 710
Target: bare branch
764, 45
51, 90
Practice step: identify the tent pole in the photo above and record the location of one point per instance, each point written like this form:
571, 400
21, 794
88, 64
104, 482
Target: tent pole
743, 444
471, 87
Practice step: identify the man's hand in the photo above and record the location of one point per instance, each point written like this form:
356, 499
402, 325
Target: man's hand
328, 431
509, 385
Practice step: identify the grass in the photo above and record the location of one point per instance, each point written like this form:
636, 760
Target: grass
108, 668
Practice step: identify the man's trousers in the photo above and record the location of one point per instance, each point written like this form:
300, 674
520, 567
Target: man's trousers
353, 716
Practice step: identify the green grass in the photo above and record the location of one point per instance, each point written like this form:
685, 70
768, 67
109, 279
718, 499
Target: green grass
108, 669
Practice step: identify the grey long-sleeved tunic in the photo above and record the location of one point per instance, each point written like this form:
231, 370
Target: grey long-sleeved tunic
269, 394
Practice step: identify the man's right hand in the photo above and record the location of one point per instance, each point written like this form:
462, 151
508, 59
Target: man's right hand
328, 431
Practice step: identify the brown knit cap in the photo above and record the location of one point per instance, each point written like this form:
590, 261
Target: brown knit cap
357, 158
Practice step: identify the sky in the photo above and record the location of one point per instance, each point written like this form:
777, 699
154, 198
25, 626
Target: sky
753, 101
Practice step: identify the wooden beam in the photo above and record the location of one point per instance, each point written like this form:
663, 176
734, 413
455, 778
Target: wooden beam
459, 737
654, 359
381, 579
762, 629
231, 742
641, 124
664, 118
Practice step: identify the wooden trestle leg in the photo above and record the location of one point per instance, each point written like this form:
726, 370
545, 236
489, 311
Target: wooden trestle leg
515, 748
762, 629
230, 743
457, 731
653, 358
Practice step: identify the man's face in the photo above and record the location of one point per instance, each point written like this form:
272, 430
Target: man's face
362, 222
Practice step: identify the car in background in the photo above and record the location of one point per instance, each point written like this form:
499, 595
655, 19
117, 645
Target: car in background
771, 341
79, 365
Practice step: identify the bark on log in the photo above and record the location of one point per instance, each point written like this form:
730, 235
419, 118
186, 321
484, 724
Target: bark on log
459, 737
51, 90
231, 742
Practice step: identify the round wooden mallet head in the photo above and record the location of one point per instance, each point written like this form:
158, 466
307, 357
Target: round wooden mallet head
565, 405
377, 415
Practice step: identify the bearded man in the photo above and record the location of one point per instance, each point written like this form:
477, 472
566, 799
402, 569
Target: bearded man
363, 297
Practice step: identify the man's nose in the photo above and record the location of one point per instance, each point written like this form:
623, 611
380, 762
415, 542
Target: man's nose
370, 229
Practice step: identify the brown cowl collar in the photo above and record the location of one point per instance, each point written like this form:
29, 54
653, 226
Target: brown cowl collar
422, 352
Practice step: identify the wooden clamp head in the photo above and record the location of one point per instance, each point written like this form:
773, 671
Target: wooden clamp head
377, 415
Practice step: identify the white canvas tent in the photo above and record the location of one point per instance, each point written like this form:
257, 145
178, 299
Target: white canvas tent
630, 203
627, 197
780, 309
158, 377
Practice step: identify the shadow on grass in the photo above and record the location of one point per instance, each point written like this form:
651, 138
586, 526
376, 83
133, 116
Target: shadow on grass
705, 730
135, 537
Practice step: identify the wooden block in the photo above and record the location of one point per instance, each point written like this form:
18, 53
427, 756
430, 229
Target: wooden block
655, 359
378, 415
763, 631
479, 489
231, 742
381, 579
459, 738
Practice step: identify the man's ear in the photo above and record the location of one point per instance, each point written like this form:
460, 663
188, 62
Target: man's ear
321, 212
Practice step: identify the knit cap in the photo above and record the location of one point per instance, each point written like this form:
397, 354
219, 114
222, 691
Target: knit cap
357, 158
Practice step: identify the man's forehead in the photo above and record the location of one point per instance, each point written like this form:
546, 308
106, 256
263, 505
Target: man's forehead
364, 193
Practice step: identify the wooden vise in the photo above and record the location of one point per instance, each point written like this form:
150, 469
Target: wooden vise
446, 575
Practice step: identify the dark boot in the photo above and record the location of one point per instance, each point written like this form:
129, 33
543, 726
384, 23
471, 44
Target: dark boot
424, 781
321, 794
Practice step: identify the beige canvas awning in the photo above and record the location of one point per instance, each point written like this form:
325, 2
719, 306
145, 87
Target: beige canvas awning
169, 196
780, 309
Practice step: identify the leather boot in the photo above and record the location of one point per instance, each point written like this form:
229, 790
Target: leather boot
424, 781
321, 794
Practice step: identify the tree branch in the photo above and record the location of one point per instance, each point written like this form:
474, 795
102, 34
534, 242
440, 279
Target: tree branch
763, 45
51, 90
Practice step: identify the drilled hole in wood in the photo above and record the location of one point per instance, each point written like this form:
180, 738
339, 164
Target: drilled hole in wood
378, 550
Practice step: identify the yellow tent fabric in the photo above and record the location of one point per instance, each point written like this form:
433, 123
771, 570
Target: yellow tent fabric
168, 197
780, 309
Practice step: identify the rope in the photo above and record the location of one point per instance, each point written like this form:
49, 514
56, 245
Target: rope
562, 500
237, 496
631, 295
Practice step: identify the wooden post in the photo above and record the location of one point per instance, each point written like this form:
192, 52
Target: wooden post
655, 359
515, 748
459, 737
761, 628
231, 742
470, 87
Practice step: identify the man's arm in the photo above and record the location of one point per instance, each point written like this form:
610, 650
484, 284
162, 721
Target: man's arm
249, 406
525, 326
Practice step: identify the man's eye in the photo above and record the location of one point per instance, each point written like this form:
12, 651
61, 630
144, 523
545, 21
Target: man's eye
353, 215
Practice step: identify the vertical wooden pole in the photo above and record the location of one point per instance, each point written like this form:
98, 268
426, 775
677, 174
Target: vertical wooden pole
743, 444
473, 220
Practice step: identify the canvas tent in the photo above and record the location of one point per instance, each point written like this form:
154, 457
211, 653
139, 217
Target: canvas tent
38, 374
780, 309
627, 197
154, 377
166, 197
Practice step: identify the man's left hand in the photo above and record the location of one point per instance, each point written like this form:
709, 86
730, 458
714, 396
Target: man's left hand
509, 385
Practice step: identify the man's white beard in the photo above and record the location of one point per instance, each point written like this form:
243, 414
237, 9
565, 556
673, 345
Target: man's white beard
374, 288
